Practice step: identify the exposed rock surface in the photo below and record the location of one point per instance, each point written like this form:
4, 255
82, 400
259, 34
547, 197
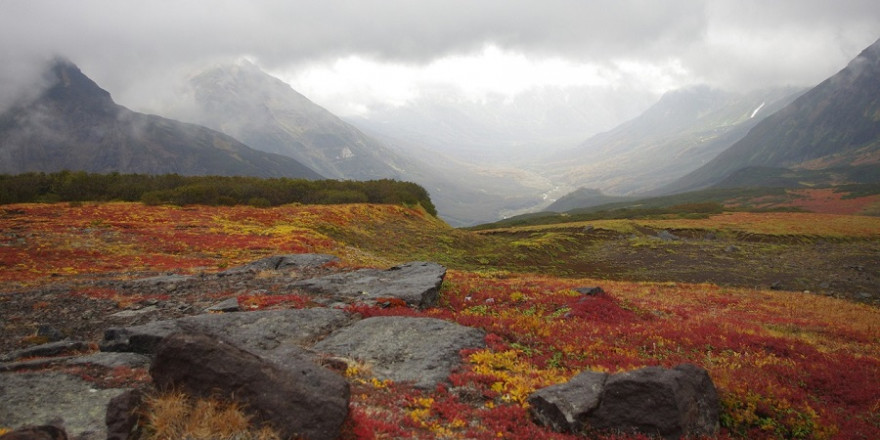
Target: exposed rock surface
671, 403
417, 283
282, 263
40, 398
419, 350
261, 330
296, 397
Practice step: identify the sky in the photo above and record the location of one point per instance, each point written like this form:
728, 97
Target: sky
354, 55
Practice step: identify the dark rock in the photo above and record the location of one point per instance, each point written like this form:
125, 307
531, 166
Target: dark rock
122, 417
50, 349
731, 249
565, 407
590, 290
423, 351
671, 403
296, 398
261, 330
777, 285
51, 334
416, 283
282, 262
42, 432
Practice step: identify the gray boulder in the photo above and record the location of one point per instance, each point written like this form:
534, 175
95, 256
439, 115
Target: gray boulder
297, 398
261, 330
416, 283
44, 397
423, 351
565, 407
672, 403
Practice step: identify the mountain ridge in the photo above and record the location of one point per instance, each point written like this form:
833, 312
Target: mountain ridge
834, 124
75, 125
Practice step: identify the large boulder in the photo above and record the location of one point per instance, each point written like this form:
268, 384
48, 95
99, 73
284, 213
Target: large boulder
297, 398
421, 351
282, 263
416, 283
671, 403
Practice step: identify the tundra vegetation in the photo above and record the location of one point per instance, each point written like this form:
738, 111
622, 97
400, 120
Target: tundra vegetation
787, 364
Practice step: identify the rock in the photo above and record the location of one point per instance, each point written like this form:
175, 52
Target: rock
112, 360
777, 285
416, 283
262, 330
665, 235
423, 351
227, 306
51, 334
42, 432
135, 312
121, 417
565, 407
42, 350
282, 262
590, 290
731, 249
671, 403
39, 398
296, 398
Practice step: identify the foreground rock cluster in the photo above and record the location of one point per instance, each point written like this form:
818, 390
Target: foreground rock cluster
284, 365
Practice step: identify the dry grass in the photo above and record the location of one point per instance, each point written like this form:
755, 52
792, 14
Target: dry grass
173, 415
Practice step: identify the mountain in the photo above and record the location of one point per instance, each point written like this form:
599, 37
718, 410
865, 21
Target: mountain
682, 131
834, 125
267, 114
507, 130
76, 125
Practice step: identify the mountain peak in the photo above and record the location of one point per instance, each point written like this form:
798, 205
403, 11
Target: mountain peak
70, 87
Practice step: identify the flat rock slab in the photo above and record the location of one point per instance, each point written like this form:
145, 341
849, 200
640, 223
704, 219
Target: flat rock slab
261, 330
422, 351
417, 283
40, 398
282, 263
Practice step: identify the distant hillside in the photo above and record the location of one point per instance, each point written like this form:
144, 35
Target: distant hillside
682, 131
834, 125
582, 198
267, 114
75, 125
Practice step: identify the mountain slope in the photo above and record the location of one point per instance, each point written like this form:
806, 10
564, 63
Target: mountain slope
75, 125
835, 124
682, 131
267, 114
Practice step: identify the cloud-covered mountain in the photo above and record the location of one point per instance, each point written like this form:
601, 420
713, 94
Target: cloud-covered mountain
267, 114
834, 125
685, 129
75, 125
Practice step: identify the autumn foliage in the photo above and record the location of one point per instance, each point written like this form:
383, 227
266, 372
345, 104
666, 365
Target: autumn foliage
787, 365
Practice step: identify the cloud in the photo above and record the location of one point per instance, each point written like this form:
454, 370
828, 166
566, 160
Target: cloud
131, 45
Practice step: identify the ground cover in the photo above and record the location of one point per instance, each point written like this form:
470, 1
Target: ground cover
787, 364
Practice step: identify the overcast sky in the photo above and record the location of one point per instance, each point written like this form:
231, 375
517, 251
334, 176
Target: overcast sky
351, 54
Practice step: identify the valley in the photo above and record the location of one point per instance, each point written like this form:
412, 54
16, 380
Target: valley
724, 291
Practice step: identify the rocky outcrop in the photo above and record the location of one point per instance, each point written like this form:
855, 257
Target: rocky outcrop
421, 351
282, 263
297, 398
671, 403
416, 283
